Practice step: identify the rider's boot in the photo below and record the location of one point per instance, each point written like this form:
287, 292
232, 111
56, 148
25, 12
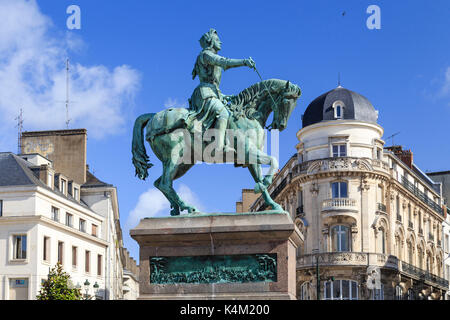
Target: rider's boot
222, 144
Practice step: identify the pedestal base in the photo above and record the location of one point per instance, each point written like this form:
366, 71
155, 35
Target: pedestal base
218, 256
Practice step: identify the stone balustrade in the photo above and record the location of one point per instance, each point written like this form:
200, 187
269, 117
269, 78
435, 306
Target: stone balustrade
347, 259
339, 204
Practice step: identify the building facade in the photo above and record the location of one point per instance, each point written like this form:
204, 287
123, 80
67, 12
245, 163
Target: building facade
372, 220
52, 209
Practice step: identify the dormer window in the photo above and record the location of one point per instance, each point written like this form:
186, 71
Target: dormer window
338, 108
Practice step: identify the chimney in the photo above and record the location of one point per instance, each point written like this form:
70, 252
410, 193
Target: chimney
65, 148
406, 156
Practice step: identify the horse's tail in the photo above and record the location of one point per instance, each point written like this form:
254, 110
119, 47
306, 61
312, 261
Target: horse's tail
140, 157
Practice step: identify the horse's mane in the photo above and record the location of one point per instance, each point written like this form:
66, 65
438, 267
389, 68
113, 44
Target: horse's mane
244, 103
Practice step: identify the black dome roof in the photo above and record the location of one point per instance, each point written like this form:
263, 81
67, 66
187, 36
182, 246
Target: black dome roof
355, 107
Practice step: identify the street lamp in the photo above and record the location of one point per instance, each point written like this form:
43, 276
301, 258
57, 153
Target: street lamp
96, 286
86, 287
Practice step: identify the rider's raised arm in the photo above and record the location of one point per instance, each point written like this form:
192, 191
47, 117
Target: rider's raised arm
226, 63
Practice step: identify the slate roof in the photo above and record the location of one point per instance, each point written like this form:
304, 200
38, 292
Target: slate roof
92, 181
357, 107
15, 171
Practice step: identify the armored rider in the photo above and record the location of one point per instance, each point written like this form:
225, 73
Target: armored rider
207, 103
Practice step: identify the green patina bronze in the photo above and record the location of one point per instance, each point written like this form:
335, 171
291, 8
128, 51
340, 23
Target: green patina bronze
214, 269
247, 111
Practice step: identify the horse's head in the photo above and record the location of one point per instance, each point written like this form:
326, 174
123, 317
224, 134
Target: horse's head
285, 102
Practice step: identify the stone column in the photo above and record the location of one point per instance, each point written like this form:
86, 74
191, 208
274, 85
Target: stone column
365, 237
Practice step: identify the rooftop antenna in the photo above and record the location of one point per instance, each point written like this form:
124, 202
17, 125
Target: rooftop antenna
67, 94
392, 137
19, 126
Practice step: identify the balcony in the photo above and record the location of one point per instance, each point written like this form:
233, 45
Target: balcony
422, 196
423, 275
336, 204
347, 259
381, 207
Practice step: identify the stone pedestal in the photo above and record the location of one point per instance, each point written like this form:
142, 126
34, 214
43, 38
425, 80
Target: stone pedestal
254, 255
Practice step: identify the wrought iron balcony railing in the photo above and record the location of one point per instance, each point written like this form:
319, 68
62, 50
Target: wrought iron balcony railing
422, 196
381, 207
423, 275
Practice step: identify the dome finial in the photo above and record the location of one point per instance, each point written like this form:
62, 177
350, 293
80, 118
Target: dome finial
339, 80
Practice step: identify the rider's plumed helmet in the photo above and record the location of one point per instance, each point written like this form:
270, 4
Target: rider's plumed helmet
206, 39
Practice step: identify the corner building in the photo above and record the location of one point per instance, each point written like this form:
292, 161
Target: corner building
372, 220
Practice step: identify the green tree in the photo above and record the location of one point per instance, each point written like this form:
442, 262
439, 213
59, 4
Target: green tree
58, 286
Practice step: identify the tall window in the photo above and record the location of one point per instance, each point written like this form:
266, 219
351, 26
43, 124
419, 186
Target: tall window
339, 190
340, 238
339, 150
69, 220
63, 186
74, 256
46, 252
87, 261
20, 246
341, 290
305, 292
411, 294
409, 213
381, 239
82, 225
410, 253
446, 243
378, 294
99, 264
398, 293
76, 194
55, 214
379, 153
419, 258
61, 252
94, 230
1, 208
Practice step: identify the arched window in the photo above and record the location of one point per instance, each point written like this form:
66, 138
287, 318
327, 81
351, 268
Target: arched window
338, 107
420, 258
340, 237
340, 290
429, 266
381, 240
339, 189
398, 293
305, 291
410, 253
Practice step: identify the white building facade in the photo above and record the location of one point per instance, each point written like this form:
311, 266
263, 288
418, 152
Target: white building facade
372, 220
48, 216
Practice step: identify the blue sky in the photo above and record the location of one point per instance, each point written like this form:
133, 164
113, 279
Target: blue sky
142, 54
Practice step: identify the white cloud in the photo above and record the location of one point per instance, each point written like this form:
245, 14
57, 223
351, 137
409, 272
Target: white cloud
445, 90
153, 203
33, 77
174, 103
